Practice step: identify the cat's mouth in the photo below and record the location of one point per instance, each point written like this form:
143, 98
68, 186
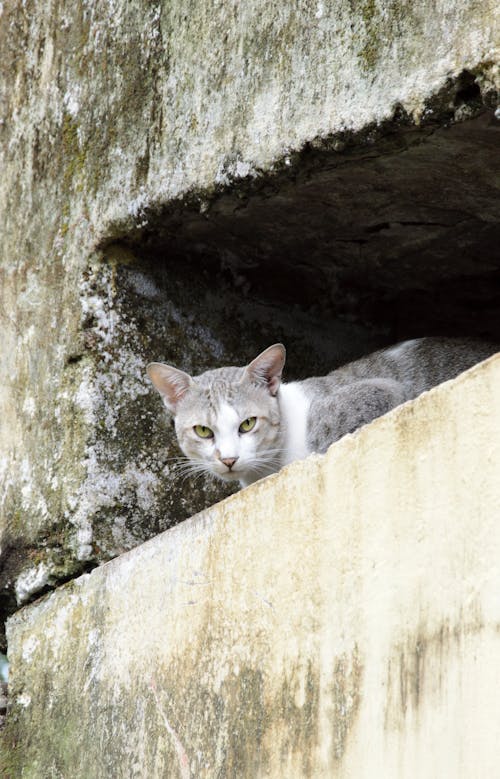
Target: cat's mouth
225, 472
227, 475
226, 469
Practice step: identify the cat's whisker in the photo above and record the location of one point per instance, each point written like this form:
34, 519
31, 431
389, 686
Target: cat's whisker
262, 465
190, 467
187, 470
194, 474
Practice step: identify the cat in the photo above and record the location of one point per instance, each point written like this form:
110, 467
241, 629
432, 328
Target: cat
240, 424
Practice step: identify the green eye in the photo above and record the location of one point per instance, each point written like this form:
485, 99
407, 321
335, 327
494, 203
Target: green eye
247, 424
203, 432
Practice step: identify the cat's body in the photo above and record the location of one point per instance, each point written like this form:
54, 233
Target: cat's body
244, 423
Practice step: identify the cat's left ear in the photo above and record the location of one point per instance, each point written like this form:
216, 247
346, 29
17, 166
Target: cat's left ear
171, 383
268, 367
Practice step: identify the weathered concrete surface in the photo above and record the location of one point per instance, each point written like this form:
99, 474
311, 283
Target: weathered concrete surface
338, 619
113, 111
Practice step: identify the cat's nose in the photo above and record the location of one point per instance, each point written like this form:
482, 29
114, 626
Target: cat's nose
229, 461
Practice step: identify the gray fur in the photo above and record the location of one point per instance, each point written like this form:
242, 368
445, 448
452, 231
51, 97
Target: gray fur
357, 393
294, 420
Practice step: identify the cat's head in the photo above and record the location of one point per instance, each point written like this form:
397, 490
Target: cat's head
227, 420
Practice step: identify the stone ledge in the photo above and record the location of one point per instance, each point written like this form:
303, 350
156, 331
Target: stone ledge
339, 618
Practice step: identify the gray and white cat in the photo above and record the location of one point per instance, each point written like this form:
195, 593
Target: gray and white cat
245, 423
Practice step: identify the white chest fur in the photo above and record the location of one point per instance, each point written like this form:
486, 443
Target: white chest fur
294, 408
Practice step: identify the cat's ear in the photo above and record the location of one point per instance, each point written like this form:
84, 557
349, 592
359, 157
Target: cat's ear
268, 367
171, 383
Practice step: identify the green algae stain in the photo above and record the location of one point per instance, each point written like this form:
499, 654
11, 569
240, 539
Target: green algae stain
368, 11
11, 754
75, 153
371, 50
346, 696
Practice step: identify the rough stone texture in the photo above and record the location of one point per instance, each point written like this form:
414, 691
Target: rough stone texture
123, 123
338, 619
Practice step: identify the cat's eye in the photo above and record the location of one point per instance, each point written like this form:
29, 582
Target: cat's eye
203, 432
247, 424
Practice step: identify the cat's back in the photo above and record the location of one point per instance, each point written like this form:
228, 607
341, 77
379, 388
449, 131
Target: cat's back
355, 394
425, 362
417, 364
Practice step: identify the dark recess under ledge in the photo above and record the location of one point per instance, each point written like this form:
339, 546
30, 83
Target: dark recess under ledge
399, 231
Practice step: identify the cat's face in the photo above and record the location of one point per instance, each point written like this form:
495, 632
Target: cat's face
228, 425
227, 420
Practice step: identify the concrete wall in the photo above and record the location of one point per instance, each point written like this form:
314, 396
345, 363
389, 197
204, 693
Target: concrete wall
137, 140
339, 619
112, 112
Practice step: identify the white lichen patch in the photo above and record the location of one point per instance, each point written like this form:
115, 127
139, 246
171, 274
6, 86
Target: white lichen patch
32, 497
93, 637
99, 305
29, 647
29, 406
83, 536
114, 379
231, 170
138, 205
144, 285
146, 484
71, 101
31, 581
136, 486
6, 481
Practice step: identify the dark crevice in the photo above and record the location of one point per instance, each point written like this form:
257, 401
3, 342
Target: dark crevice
74, 359
15, 555
422, 224
3, 700
468, 91
57, 581
378, 227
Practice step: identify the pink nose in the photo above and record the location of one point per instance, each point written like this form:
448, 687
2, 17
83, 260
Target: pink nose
229, 461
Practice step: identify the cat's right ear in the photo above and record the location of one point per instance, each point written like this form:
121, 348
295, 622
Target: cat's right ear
171, 383
268, 367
